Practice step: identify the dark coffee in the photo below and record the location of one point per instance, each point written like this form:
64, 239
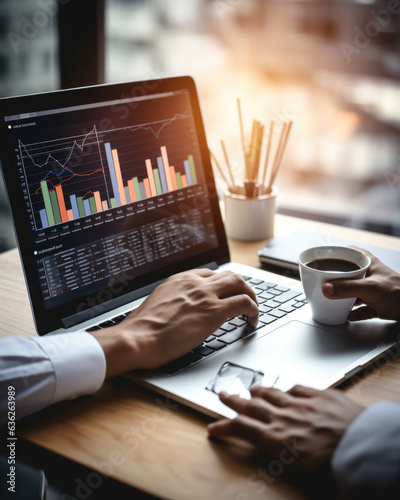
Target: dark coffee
338, 265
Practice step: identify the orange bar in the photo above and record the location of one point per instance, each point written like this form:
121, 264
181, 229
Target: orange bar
173, 178
70, 214
131, 190
61, 203
119, 176
104, 205
97, 200
166, 168
184, 180
147, 187
151, 178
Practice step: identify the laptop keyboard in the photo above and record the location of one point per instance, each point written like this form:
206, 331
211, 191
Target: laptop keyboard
275, 302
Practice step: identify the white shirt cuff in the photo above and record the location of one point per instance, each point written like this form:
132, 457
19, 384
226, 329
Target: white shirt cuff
79, 363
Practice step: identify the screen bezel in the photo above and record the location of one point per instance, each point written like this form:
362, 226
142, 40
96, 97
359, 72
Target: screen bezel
48, 320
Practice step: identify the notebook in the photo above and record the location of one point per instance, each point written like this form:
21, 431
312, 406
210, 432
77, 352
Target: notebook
111, 191
281, 252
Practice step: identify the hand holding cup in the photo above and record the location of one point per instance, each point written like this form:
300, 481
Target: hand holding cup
378, 293
320, 265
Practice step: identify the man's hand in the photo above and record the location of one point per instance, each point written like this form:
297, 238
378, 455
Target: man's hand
310, 421
379, 291
176, 317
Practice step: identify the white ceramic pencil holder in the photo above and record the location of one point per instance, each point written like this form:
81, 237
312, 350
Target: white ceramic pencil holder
250, 219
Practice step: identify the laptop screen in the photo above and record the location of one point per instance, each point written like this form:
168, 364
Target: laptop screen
111, 192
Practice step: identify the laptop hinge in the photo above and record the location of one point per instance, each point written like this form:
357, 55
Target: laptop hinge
93, 312
98, 310
210, 265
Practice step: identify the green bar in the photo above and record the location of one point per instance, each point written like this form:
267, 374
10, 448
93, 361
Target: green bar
47, 203
179, 179
55, 207
92, 203
192, 169
157, 181
136, 188
81, 208
113, 203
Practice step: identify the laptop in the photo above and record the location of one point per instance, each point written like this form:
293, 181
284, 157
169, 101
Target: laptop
111, 191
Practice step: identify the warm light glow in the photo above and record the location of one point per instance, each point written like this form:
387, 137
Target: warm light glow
344, 123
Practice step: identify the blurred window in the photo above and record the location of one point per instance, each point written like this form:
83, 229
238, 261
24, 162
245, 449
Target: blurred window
28, 64
288, 59
330, 66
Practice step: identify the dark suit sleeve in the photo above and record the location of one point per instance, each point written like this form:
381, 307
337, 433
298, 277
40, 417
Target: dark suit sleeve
366, 464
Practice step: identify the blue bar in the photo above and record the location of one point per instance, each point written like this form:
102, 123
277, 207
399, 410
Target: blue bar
74, 206
161, 171
43, 218
142, 190
111, 167
86, 206
127, 195
188, 173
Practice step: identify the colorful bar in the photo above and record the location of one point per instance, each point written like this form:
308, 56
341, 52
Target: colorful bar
113, 203
157, 181
187, 172
142, 191
74, 206
92, 204
97, 199
166, 168
112, 173
55, 207
119, 176
47, 203
178, 180
162, 174
184, 180
136, 187
127, 195
104, 205
131, 191
61, 203
86, 206
147, 189
70, 214
43, 218
81, 208
192, 169
150, 175
173, 178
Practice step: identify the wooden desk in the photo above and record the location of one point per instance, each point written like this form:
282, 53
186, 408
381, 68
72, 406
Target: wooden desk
134, 437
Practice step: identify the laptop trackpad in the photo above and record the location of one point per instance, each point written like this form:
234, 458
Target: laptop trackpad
304, 354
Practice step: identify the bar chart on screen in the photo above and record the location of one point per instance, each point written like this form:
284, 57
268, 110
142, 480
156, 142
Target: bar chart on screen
77, 176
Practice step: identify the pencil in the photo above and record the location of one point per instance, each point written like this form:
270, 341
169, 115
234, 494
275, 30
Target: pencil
242, 132
252, 151
271, 130
227, 162
258, 151
280, 151
276, 156
220, 171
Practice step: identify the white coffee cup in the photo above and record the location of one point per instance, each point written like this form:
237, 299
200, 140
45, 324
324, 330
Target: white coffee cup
324, 310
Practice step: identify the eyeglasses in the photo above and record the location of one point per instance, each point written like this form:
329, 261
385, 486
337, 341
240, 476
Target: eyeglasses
237, 379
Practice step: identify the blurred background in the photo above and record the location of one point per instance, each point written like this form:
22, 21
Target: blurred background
331, 66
